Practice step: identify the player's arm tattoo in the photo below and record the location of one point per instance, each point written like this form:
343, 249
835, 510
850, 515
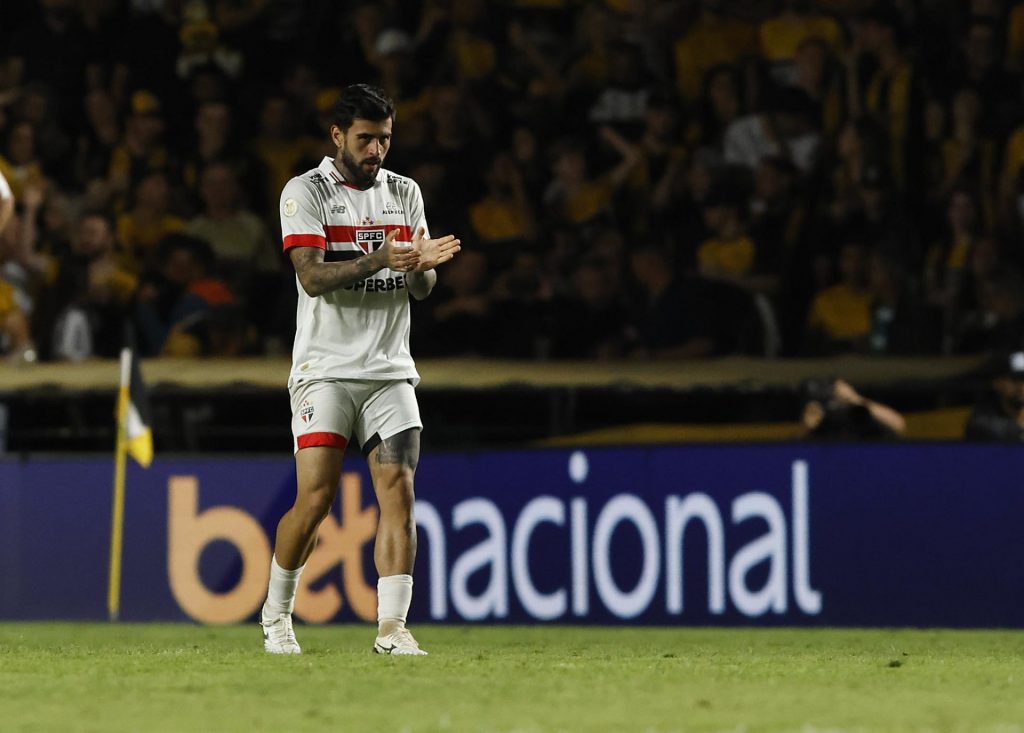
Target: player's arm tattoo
421, 283
318, 277
403, 449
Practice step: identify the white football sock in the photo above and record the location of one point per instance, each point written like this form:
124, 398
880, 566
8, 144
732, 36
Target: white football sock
394, 594
281, 594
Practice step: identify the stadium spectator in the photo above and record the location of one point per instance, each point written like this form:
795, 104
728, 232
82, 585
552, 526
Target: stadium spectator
96, 142
782, 35
998, 414
216, 141
778, 211
981, 69
721, 104
892, 95
93, 291
141, 150
664, 319
202, 46
280, 147
239, 239
471, 54
147, 222
947, 259
20, 164
657, 181
456, 321
785, 129
52, 145
191, 312
622, 103
840, 316
522, 309
593, 322
393, 55
575, 194
969, 159
817, 74
504, 216
858, 151
713, 38
461, 133
899, 322
998, 323
731, 254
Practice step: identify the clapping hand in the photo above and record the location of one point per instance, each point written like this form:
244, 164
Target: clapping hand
434, 252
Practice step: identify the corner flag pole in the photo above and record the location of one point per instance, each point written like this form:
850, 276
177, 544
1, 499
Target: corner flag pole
120, 459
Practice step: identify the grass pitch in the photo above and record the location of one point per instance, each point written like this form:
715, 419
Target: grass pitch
94, 677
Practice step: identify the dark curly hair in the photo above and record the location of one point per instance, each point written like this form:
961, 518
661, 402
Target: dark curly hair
363, 102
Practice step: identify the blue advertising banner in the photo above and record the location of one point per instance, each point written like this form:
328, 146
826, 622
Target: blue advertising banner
894, 535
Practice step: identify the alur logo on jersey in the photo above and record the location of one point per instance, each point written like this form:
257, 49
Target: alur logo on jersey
391, 208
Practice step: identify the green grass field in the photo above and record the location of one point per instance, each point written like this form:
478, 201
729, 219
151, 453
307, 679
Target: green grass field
93, 677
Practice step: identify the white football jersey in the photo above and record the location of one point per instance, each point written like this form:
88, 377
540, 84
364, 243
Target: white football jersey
360, 331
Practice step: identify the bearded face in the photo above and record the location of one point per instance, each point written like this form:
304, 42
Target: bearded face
362, 149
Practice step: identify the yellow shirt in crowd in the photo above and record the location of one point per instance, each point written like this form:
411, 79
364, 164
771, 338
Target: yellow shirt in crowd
841, 312
710, 41
8, 304
588, 201
781, 36
727, 256
495, 220
138, 238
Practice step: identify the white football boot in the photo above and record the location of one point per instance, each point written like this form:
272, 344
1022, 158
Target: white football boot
399, 642
278, 634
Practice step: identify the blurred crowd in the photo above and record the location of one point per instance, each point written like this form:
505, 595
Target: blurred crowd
629, 178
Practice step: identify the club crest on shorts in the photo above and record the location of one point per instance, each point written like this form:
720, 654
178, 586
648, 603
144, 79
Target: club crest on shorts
306, 411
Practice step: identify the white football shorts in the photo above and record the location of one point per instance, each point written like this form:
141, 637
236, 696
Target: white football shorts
331, 412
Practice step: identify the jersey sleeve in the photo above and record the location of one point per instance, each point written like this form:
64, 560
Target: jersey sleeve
5, 188
417, 218
302, 222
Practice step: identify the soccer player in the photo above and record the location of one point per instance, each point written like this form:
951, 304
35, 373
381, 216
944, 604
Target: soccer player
358, 239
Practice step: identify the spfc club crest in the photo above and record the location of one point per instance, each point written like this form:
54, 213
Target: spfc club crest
306, 411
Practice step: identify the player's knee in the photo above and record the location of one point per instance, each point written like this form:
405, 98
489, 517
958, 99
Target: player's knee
396, 490
312, 507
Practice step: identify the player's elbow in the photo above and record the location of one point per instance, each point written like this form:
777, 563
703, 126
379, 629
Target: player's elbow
311, 286
420, 284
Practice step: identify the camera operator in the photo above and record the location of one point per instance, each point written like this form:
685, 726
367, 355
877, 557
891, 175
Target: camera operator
834, 410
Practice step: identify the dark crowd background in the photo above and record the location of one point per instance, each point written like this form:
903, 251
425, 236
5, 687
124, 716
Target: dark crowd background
630, 178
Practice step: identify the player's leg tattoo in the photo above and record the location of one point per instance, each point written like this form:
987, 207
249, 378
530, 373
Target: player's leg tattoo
402, 449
